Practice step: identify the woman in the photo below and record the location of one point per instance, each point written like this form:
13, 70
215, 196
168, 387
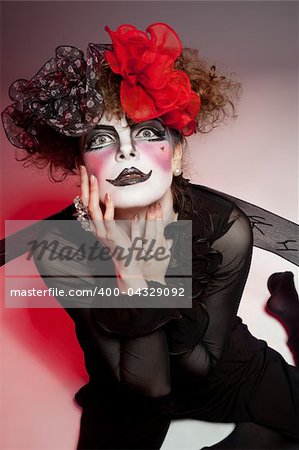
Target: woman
124, 121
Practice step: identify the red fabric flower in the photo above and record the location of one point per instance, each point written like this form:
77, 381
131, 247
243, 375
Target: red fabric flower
150, 85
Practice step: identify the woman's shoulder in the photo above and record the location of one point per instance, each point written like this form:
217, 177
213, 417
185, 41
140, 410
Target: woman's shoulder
204, 196
213, 203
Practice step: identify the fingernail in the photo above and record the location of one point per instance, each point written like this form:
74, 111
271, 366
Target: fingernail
92, 179
107, 197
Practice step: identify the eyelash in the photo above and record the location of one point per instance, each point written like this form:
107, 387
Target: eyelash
160, 133
93, 141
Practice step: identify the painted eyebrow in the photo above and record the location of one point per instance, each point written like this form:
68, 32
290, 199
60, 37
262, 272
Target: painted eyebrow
153, 124
150, 122
111, 128
104, 127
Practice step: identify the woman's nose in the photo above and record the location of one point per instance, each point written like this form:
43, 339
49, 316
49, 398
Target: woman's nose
126, 151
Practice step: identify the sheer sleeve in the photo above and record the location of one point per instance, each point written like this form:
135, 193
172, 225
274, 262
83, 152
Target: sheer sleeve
140, 363
223, 294
80, 283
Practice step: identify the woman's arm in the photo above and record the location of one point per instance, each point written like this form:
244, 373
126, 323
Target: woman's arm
222, 296
139, 363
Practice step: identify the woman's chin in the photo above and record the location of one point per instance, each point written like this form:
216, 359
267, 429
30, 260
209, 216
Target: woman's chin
133, 205
137, 197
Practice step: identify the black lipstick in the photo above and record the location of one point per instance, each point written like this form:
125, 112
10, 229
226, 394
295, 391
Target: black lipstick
130, 176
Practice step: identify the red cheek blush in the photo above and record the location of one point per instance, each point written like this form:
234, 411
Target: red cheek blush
96, 161
161, 155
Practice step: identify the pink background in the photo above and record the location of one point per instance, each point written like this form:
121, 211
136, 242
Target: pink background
254, 158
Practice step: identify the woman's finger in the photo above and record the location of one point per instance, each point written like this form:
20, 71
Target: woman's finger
109, 205
159, 225
136, 238
94, 207
84, 186
150, 227
109, 222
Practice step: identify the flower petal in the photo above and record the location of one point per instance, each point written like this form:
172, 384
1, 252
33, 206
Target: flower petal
137, 103
151, 87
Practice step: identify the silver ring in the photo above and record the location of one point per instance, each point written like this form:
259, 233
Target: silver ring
82, 214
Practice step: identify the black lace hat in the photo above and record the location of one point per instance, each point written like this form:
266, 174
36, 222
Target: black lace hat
62, 95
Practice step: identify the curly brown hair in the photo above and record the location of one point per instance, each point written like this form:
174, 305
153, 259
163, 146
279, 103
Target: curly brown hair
217, 92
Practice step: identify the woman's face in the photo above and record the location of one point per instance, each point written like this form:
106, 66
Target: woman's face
134, 165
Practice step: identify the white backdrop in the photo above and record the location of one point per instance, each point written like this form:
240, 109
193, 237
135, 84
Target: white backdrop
254, 158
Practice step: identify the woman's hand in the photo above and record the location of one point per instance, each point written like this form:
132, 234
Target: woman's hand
155, 267
112, 236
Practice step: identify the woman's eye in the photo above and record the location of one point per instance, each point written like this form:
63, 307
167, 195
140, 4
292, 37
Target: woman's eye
101, 141
146, 133
150, 134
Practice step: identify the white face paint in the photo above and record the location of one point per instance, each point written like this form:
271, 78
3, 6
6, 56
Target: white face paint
113, 146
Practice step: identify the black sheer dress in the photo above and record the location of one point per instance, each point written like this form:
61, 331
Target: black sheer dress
148, 366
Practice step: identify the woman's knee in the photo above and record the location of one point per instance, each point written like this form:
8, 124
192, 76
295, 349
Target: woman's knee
149, 387
156, 390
